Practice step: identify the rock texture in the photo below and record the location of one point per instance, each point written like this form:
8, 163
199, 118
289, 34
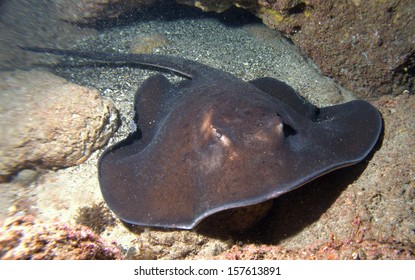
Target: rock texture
367, 46
21, 238
346, 250
47, 122
170, 245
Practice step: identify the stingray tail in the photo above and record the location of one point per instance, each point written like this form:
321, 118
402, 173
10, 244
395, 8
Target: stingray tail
181, 66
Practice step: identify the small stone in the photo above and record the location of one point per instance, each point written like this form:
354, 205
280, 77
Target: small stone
146, 44
26, 176
212, 249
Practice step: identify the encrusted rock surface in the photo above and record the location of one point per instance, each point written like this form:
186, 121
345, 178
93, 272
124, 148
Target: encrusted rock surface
173, 244
345, 250
21, 238
47, 122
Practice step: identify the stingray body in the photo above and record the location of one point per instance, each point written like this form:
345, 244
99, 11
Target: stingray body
214, 142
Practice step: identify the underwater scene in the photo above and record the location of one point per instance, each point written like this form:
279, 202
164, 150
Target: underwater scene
215, 130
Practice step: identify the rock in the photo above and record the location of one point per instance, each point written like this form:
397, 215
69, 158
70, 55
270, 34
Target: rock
209, 5
212, 249
147, 43
333, 250
366, 46
174, 244
21, 238
47, 122
221, 5
91, 11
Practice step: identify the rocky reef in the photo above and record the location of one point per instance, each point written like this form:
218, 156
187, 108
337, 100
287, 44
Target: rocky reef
23, 238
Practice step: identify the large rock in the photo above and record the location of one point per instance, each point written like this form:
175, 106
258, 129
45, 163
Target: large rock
48, 122
367, 46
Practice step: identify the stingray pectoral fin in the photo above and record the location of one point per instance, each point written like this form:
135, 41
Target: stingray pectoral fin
287, 95
346, 133
150, 105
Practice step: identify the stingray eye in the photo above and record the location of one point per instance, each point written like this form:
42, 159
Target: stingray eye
217, 134
222, 138
287, 129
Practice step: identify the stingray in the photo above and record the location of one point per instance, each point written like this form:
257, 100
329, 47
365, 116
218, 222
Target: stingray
215, 142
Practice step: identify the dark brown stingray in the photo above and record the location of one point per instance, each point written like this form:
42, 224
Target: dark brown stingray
214, 142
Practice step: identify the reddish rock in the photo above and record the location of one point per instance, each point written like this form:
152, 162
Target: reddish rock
368, 47
21, 238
